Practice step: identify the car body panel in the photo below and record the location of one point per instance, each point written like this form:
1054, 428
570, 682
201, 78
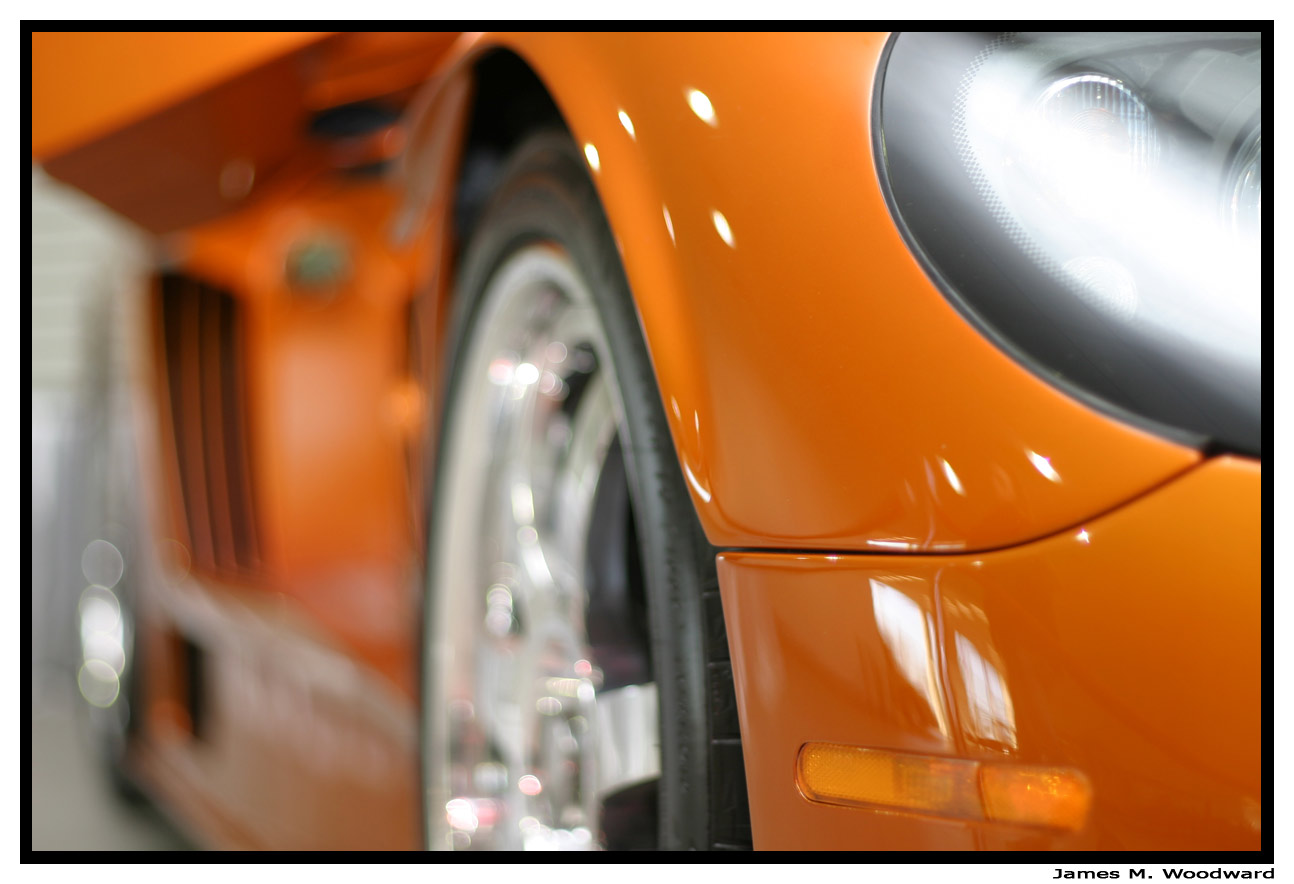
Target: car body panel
987, 455
299, 744
1128, 649
89, 84
191, 134
332, 410
884, 439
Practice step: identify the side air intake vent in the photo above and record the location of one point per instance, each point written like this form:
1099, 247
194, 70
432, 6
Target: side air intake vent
204, 387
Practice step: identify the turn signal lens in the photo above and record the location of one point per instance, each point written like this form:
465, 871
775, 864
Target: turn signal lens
1035, 796
850, 775
952, 787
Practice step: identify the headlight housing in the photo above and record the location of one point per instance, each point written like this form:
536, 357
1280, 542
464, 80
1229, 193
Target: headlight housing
1093, 203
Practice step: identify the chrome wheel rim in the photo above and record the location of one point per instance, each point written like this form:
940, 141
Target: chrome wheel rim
530, 724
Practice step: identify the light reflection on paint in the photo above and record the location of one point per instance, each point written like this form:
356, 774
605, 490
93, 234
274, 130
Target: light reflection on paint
702, 106
669, 224
724, 229
628, 124
1043, 465
952, 477
892, 544
1083, 536
992, 714
591, 154
908, 633
701, 490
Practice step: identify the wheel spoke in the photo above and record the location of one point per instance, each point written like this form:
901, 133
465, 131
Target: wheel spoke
628, 737
592, 432
529, 745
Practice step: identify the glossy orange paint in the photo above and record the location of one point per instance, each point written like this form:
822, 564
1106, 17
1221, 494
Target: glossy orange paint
366, 65
821, 392
310, 661
173, 130
1127, 648
332, 407
88, 84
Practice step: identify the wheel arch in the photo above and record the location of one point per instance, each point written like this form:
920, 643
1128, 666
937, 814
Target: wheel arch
770, 279
487, 96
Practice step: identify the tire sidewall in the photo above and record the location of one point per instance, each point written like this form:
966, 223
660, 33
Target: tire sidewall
546, 196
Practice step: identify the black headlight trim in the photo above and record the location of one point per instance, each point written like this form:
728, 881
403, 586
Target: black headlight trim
1012, 299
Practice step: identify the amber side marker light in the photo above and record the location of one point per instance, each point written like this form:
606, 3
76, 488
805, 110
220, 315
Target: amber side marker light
1054, 797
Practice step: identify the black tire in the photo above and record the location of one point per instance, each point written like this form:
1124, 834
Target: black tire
545, 195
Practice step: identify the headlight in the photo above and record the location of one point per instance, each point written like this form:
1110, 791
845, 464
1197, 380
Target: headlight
1093, 203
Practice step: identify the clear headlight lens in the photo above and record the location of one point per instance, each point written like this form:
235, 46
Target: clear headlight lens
1245, 201
1093, 201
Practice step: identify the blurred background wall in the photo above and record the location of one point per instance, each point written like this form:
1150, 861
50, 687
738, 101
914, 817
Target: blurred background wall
85, 265
86, 268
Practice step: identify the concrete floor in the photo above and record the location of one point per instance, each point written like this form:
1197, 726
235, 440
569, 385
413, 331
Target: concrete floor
73, 806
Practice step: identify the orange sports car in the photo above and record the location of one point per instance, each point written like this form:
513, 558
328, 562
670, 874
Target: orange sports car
682, 441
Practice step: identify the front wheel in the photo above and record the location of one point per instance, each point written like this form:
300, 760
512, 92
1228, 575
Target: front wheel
574, 642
